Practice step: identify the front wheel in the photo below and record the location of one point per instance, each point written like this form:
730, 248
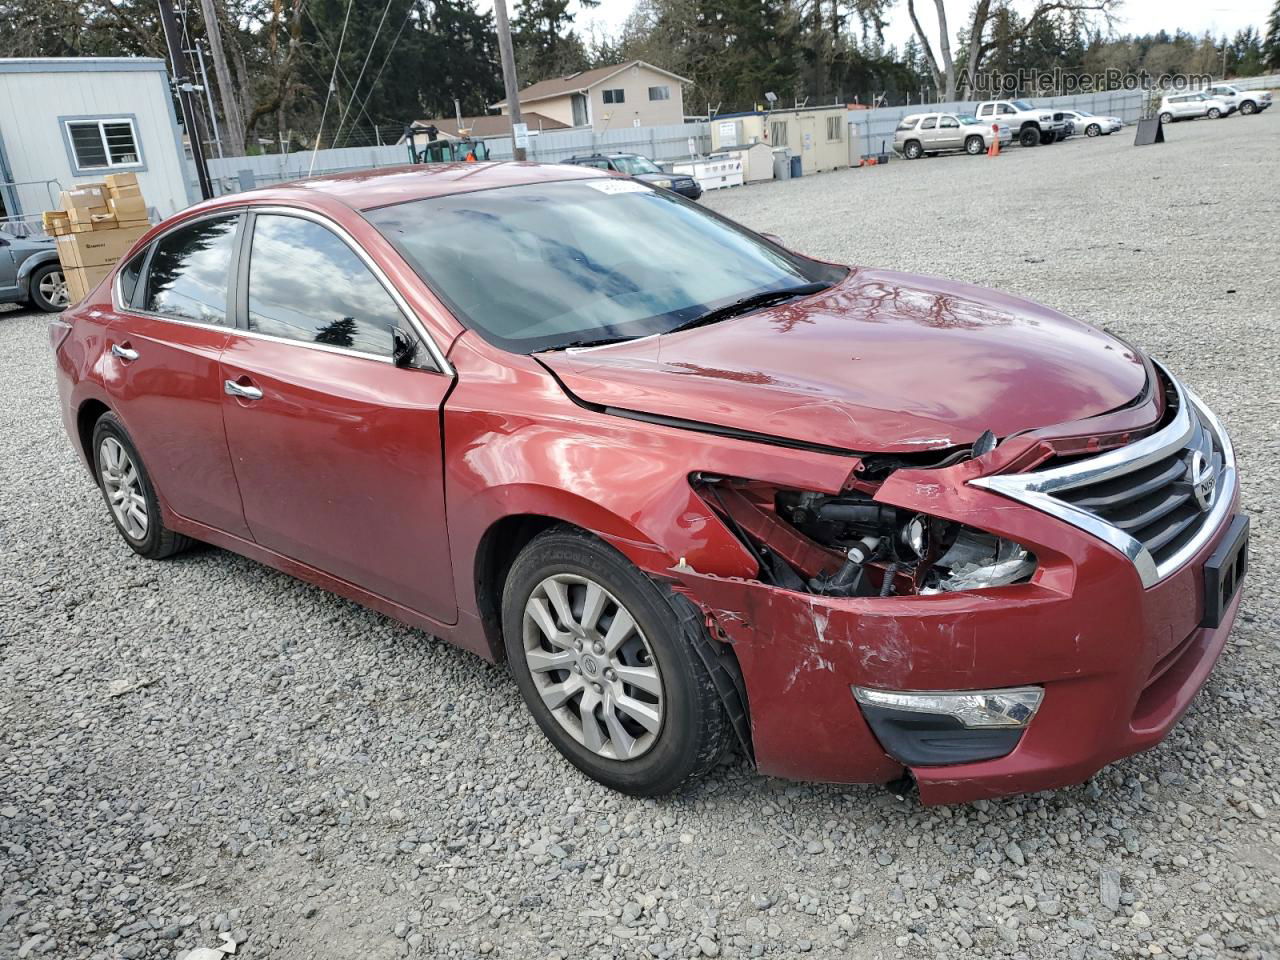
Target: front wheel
1029, 137
49, 288
1092, 130
608, 663
1166, 118
1248, 107
1214, 113
974, 145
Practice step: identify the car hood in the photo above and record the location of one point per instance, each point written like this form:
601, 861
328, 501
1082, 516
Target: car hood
884, 361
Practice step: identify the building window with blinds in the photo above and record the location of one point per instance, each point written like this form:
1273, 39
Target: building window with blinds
778, 133
835, 129
106, 143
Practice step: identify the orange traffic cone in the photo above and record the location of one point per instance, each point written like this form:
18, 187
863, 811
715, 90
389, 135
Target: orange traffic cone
994, 149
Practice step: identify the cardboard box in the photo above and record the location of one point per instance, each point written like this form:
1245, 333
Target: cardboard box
124, 192
100, 248
116, 181
125, 209
84, 195
80, 280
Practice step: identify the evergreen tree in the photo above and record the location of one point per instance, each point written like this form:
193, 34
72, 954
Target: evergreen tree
1271, 47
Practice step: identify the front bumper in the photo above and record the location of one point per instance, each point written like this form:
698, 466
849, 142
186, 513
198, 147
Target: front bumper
1119, 660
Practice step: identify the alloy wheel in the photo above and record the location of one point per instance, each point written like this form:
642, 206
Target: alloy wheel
53, 288
123, 487
593, 667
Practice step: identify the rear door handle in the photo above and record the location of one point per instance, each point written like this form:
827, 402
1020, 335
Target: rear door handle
124, 353
234, 389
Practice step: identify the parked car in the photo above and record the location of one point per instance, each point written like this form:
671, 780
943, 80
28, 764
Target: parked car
922, 134
643, 169
694, 488
1032, 124
1092, 125
1246, 101
30, 273
1192, 106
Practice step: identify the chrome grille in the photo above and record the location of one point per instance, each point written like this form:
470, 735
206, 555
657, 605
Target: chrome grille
1157, 500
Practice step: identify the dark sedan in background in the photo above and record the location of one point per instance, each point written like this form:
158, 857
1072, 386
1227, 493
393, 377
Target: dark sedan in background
643, 169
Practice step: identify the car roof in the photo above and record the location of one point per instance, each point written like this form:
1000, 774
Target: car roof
384, 186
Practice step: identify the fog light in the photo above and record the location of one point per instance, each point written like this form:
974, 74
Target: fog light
973, 709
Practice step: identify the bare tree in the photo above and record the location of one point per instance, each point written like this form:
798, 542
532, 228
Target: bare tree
943, 65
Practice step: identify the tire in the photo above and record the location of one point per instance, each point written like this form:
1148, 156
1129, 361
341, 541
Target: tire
912, 150
1029, 136
974, 145
1166, 118
1092, 130
1214, 113
686, 728
1247, 108
1048, 138
114, 456
48, 288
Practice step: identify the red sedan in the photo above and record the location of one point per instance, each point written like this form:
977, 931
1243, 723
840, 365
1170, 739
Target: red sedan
697, 490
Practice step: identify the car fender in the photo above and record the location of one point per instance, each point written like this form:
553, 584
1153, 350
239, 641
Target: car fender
29, 266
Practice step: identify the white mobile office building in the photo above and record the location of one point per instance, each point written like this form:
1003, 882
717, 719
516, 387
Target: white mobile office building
68, 120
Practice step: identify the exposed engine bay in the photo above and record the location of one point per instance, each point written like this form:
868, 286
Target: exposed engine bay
849, 545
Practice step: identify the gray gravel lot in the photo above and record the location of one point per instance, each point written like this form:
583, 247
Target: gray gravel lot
203, 746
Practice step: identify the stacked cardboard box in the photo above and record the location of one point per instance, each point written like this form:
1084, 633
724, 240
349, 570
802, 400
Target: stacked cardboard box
95, 227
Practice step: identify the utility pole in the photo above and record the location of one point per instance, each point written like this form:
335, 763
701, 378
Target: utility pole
182, 84
230, 105
208, 93
509, 80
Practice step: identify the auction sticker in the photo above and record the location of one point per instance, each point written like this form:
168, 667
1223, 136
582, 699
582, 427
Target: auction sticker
614, 185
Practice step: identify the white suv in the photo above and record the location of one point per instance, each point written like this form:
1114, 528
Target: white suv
1191, 106
1246, 101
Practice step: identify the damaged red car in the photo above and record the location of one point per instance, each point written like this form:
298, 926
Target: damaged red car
696, 490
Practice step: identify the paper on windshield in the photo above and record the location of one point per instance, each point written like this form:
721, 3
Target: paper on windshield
612, 185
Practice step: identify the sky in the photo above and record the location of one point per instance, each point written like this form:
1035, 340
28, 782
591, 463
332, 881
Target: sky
1135, 16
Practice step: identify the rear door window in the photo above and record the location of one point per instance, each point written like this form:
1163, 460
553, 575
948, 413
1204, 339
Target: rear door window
306, 284
190, 269
929, 123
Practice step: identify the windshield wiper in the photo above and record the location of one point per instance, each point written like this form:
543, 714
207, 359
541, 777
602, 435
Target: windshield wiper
753, 302
600, 342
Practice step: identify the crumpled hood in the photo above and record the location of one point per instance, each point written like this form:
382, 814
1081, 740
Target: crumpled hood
883, 362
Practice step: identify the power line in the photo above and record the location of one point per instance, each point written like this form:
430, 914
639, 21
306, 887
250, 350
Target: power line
385, 60
364, 66
333, 82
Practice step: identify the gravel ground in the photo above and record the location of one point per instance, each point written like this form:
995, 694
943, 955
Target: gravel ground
202, 749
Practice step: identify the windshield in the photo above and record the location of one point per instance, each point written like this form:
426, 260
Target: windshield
967, 118
1023, 105
541, 266
636, 165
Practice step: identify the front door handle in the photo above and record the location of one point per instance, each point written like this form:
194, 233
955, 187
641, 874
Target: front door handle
234, 389
124, 353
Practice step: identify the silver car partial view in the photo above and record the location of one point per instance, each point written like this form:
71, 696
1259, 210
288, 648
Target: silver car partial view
1092, 125
30, 273
921, 134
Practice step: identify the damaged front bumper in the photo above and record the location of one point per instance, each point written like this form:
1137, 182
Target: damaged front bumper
1117, 640
1118, 665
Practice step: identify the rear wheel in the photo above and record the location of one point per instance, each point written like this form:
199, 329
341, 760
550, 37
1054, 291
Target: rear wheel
130, 497
1029, 136
1092, 130
1248, 107
49, 288
608, 664
1166, 118
974, 145
912, 150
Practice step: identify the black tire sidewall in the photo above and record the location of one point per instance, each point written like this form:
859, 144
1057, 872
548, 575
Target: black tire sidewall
968, 143
1029, 137
678, 752
109, 425
1092, 130
913, 150
38, 274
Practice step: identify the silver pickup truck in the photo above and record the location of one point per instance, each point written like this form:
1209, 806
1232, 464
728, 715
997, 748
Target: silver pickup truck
1031, 124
